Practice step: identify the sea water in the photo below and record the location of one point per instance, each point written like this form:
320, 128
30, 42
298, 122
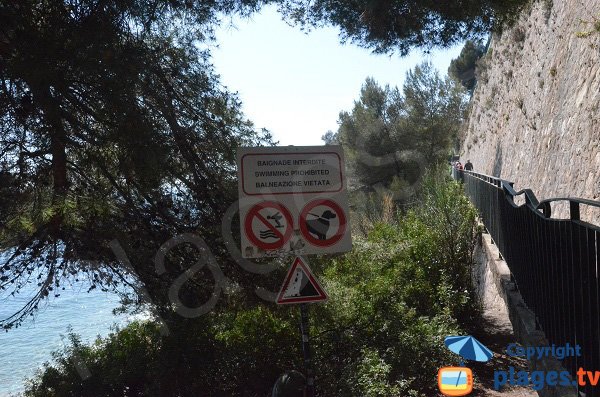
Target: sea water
23, 350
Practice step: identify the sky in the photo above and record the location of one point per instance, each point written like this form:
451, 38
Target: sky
295, 84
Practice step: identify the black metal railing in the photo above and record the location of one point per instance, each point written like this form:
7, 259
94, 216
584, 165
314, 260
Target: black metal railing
554, 262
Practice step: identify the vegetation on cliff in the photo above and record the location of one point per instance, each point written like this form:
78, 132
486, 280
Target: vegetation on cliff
391, 136
462, 69
393, 299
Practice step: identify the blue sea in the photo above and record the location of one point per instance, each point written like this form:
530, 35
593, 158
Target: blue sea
23, 350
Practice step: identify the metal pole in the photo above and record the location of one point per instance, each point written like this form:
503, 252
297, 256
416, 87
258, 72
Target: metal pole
304, 324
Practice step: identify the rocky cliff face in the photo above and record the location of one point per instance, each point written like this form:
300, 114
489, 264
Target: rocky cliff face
536, 109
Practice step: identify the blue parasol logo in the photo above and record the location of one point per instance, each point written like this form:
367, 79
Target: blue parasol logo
468, 348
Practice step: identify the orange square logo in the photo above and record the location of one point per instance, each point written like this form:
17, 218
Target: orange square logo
455, 381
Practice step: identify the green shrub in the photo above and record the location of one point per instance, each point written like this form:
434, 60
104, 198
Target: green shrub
397, 295
125, 364
255, 346
393, 299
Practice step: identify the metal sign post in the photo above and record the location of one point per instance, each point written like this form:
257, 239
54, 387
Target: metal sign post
308, 365
301, 287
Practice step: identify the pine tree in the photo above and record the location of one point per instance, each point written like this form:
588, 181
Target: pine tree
387, 26
113, 127
390, 137
462, 69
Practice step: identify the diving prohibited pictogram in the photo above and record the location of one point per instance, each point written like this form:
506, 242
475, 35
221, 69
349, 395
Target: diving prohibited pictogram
269, 225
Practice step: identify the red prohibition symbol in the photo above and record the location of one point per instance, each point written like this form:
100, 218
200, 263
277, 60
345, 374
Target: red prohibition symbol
320, 225
271, 230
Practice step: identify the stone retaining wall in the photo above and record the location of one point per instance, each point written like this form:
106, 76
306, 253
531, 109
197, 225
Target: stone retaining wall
535, 116
492, 280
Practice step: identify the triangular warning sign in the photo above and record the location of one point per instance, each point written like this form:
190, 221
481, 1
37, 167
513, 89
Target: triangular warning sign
300, 286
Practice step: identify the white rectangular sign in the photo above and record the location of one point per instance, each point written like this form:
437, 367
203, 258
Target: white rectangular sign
293, 201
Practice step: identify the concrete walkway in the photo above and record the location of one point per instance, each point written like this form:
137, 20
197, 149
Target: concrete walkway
496, 332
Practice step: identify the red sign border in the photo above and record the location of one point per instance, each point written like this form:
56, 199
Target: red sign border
250, 233
293, 153
322, 294
336, 237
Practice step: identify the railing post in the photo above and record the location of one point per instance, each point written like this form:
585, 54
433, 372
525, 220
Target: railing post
546, 209
575, 214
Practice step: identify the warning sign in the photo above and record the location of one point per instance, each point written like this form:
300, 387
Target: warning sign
300, 286
293, 201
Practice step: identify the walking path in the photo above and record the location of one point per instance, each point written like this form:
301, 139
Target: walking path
496, 333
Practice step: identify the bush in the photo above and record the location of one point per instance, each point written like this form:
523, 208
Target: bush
393, 299
518, 34
397, 295
125, 364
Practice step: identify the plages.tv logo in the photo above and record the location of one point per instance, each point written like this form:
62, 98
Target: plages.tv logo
458, 381
455, 381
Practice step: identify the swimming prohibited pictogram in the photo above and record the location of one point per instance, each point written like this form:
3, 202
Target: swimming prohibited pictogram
322, 222
269, 225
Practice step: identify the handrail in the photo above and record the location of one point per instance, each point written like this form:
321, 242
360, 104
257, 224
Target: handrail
479, 174
531, 200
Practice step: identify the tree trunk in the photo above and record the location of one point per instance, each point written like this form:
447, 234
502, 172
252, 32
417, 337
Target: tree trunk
58, 145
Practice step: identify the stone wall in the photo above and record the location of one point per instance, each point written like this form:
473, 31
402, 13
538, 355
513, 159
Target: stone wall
536, 110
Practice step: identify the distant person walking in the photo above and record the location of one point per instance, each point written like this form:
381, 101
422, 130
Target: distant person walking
458, 174
469, 165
